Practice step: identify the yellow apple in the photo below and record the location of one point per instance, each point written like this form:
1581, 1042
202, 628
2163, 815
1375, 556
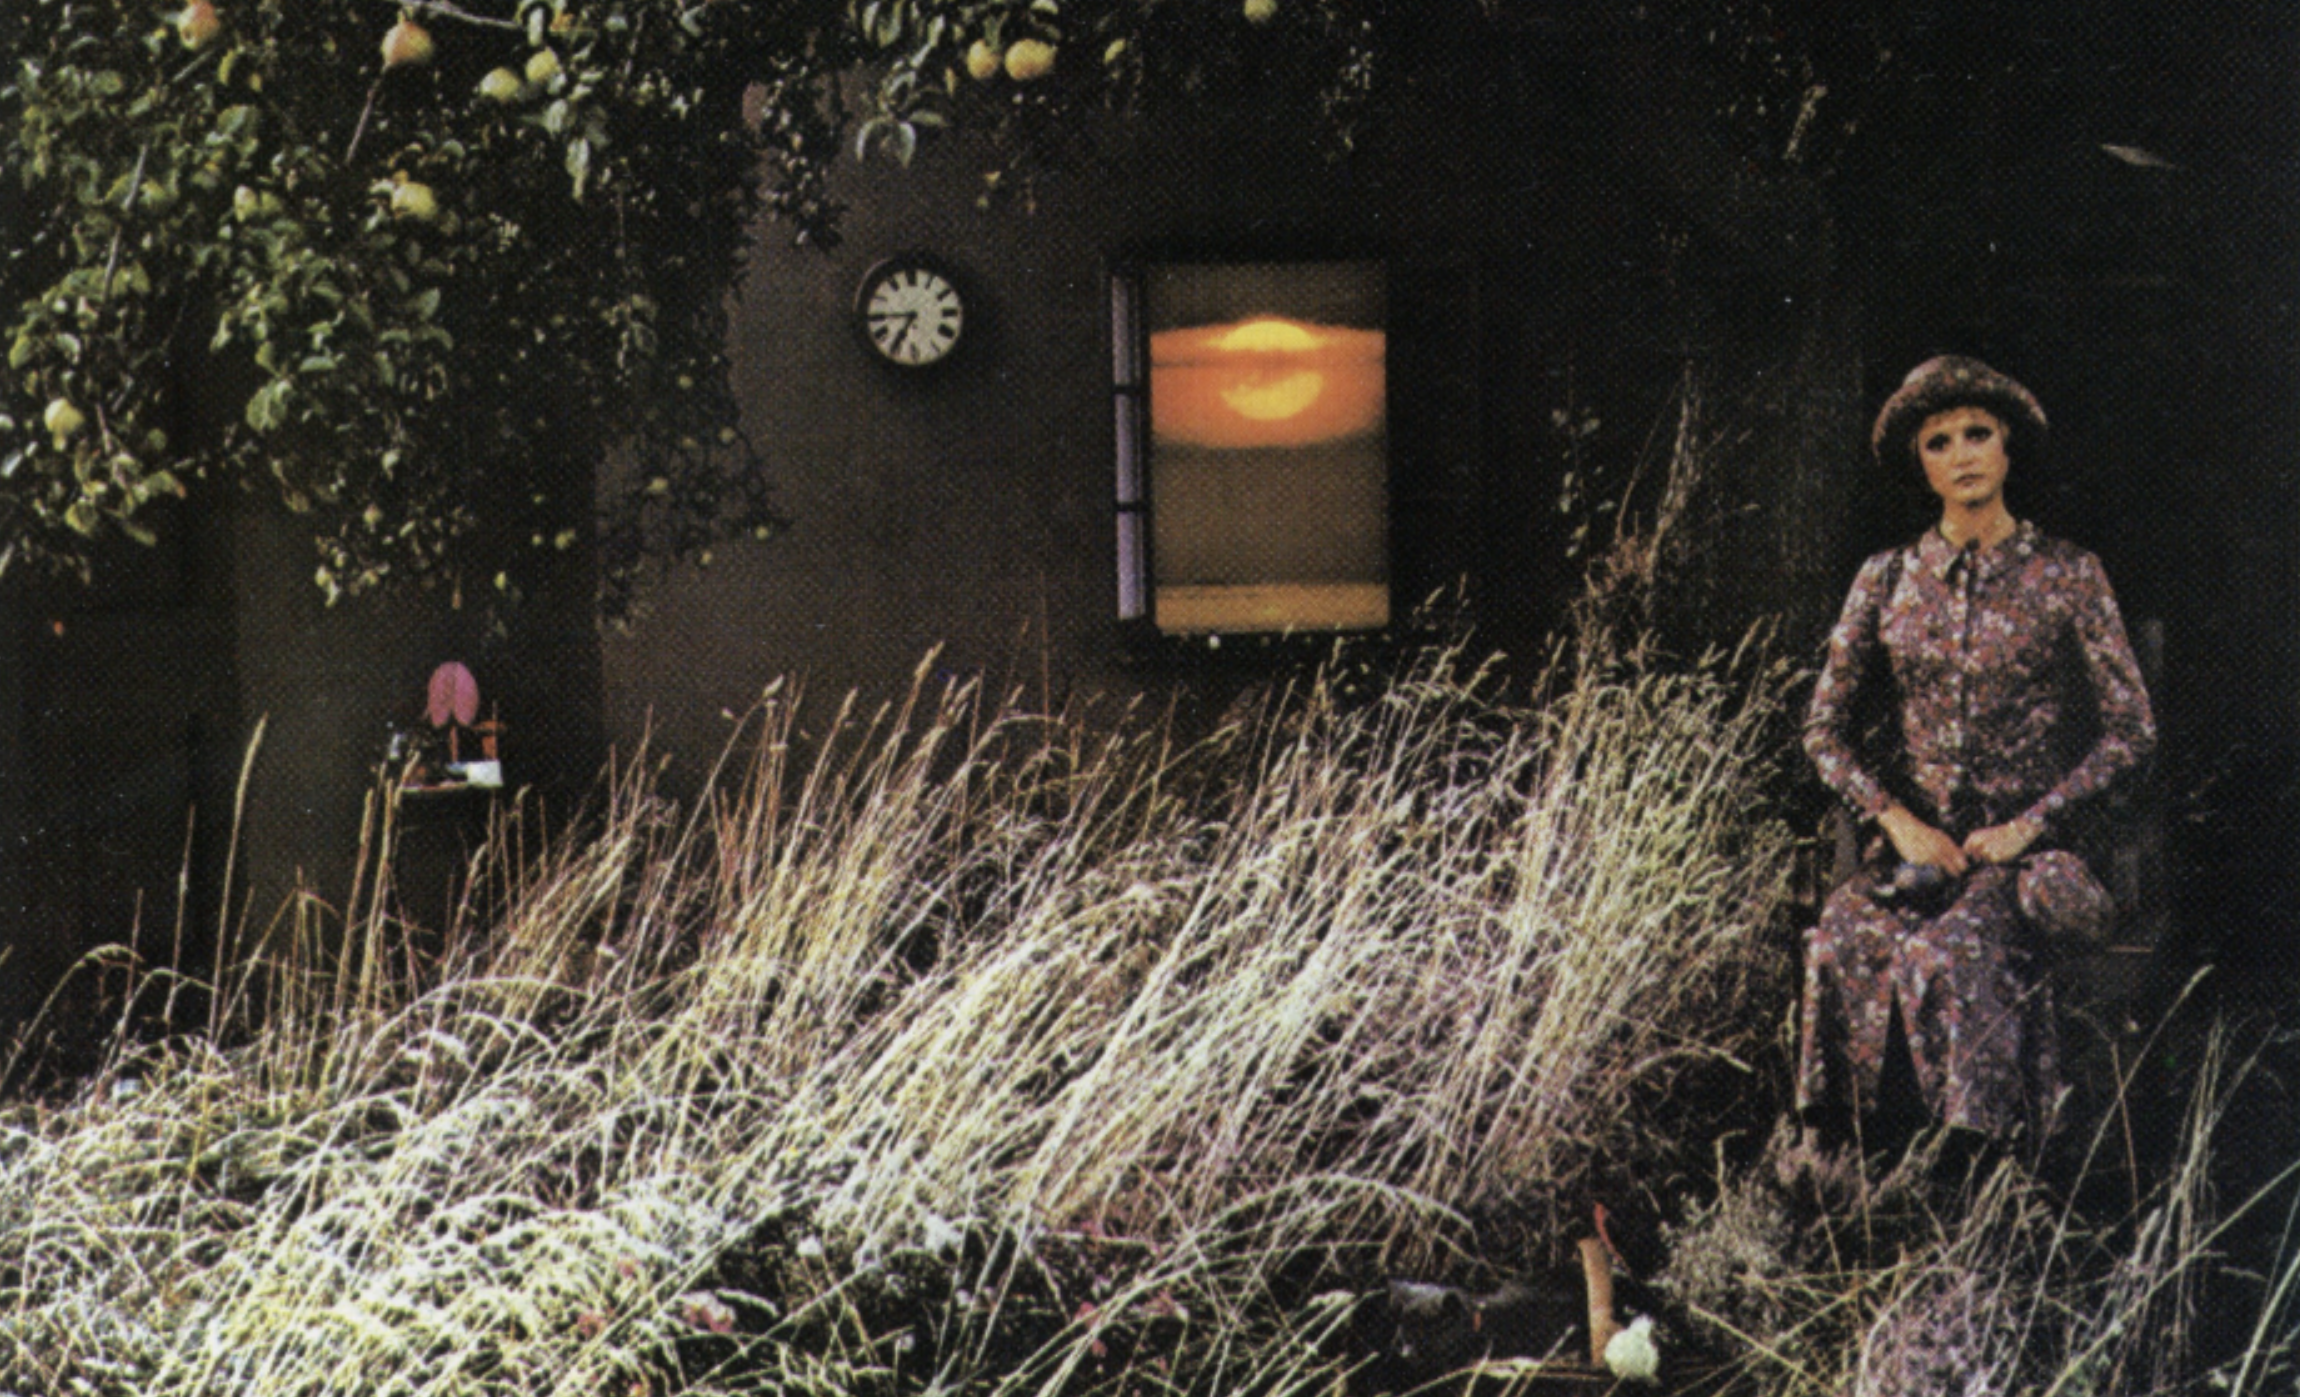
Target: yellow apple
247, 204
62, 420
198, 24
406, 43
501, 85
1261, 11
410, 199
1029, 58
982, 61
542, 67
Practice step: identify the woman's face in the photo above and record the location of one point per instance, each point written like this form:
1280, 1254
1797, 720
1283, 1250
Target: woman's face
1963, 453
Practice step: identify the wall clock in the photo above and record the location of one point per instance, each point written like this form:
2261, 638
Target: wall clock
910, 311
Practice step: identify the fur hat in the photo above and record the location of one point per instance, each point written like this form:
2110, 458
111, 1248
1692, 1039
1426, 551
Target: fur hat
1944, 382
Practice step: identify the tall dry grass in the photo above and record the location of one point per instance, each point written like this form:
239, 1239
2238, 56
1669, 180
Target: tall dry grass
940, 978
956, 1048
1822, 1278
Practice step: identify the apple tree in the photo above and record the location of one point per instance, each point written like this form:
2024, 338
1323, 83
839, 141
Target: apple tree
419, 268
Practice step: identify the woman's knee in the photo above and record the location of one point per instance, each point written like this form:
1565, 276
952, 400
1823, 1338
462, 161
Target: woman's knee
1851, 905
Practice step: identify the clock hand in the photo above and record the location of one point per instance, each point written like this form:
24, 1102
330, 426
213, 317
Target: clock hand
902, 331
886, 318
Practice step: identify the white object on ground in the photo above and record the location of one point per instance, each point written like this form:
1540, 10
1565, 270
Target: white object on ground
1631, 1354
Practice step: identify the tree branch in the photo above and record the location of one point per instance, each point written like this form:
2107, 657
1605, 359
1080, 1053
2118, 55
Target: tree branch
457, 12
364, 112
127, 206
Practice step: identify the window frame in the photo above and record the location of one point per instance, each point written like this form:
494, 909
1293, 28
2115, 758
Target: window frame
1126, 302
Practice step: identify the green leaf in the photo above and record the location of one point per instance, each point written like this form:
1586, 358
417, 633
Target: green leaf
267, 409
579, 164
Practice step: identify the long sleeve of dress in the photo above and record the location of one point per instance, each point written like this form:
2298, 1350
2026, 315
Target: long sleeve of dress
1852, 660
2127, 724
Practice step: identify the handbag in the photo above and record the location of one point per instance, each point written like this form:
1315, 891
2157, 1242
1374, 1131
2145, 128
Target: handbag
2063, 901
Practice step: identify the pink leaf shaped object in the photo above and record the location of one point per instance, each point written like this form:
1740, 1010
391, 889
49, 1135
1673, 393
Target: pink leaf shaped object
704, 1310
454, 694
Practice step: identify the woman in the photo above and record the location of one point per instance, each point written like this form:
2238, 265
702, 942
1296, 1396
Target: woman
2014, 703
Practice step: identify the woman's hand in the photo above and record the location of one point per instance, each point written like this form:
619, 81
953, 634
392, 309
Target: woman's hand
2002, 843
1917, 842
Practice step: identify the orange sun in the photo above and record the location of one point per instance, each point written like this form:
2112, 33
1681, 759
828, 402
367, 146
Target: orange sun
1265, 381
1266, 401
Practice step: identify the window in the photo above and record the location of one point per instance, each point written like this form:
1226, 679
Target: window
1253, 446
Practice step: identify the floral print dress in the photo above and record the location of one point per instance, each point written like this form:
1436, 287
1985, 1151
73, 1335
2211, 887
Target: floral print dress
2012, 691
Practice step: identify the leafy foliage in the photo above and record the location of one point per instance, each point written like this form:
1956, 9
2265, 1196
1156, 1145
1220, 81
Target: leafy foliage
404, 299
1024, 69
422, 287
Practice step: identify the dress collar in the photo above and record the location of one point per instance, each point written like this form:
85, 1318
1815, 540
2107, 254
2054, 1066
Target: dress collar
1936, 554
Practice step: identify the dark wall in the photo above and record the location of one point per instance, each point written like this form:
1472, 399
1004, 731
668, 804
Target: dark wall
970, 507
128, 706
117, 731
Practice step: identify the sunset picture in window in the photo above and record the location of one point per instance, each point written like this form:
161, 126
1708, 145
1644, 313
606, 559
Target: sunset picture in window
1269, 453
1267, 381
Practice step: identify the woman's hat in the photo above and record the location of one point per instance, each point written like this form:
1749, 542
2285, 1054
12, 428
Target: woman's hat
1948, 381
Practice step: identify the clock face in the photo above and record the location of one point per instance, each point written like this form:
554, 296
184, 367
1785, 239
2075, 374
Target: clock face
911, 313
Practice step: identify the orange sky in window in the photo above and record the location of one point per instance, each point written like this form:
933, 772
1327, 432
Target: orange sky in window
1266, 381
